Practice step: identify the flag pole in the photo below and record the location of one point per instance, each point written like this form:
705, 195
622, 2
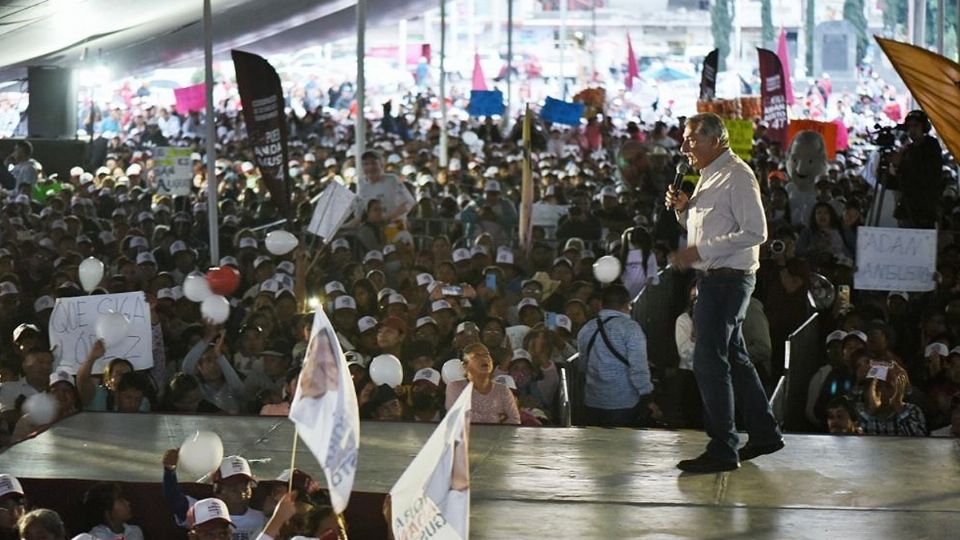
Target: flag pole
360, 128
444, 142
211, 136
293, 457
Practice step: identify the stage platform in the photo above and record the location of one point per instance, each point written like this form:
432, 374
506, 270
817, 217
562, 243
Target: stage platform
573, 483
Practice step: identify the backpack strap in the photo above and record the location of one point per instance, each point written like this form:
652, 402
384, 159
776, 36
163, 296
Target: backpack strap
606, 340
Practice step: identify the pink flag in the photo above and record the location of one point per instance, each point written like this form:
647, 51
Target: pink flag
784, 54
191, 98
479, 82
632, 71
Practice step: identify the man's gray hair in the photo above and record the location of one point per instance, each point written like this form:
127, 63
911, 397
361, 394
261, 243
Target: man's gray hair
711, 125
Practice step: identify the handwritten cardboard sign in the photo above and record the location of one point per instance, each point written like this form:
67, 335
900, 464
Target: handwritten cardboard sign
890, 259
73, 325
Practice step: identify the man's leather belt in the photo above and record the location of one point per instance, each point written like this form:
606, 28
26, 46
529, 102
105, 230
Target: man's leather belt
728, 272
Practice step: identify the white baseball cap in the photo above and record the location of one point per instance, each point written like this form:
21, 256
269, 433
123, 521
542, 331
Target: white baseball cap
492, 185
42, 303
365, 324
334, 286
521, 353
233, 466
229, 261
424, 279
460, 255
146, 257
176, 247
504, 257
373, 255
506, 380
935, 347
396, 298
564, 322
61, 376
440, 305
527, 302
133, 169
247, 242
836, 335
340, 243
423, 321
388, 250
207, 510
427, 374
9, 484
8, 287
287, 268
263, 259
344, 302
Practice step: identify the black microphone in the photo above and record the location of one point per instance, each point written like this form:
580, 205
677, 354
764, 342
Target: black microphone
682, 169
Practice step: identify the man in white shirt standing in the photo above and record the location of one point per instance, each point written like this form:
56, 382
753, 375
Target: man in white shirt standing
390, 190
22, 165
725, 226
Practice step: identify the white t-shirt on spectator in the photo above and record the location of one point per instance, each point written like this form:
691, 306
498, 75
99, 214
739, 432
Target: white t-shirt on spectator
389, 190
10, 391
130, 532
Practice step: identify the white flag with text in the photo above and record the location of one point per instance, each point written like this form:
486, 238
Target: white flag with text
431, 500
325, 410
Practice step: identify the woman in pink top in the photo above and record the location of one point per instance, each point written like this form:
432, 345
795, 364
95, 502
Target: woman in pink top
492, 402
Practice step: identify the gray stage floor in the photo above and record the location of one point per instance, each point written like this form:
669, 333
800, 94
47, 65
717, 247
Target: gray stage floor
575, 483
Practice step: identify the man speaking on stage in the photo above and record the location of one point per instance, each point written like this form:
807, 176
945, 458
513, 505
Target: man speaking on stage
725, 226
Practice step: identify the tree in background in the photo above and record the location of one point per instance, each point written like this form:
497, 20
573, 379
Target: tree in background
766, 24
721, 26
808, 33
853, 12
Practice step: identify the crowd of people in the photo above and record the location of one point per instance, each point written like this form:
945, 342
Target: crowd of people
430, 270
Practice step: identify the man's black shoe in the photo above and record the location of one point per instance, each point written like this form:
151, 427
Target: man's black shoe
707, 464
750, 451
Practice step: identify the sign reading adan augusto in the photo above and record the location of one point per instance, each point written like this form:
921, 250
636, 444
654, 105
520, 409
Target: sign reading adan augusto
891, 259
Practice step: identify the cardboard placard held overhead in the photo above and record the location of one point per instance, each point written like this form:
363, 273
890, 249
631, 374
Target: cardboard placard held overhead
827, 130
73, 330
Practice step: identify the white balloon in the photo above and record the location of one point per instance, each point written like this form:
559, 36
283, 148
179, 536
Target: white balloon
216, 308
453, 371
386, 369
201, 453
280, 242
91, 273
469, 138
606, 269
112, 328
42, 408
196, 288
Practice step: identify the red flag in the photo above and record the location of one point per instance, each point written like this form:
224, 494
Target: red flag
771, 95
784, 55
479, 82
632, 71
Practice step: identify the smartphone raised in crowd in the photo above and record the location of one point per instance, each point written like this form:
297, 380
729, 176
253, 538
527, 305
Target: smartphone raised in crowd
452, 290
491, 281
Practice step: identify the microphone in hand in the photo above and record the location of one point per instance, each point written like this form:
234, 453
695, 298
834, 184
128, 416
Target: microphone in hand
676, 198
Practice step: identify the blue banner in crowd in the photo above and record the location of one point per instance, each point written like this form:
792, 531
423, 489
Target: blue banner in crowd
485, 103
562, 112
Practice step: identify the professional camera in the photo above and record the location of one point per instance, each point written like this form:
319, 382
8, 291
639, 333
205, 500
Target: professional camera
884, 137
778, 247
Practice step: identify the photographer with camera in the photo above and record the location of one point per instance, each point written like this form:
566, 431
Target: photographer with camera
916, 172
783, 281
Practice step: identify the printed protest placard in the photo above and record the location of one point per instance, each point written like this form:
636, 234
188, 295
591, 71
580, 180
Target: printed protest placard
73, 324
172, 171
890, 259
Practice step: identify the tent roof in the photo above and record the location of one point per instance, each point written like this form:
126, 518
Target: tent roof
134, 36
